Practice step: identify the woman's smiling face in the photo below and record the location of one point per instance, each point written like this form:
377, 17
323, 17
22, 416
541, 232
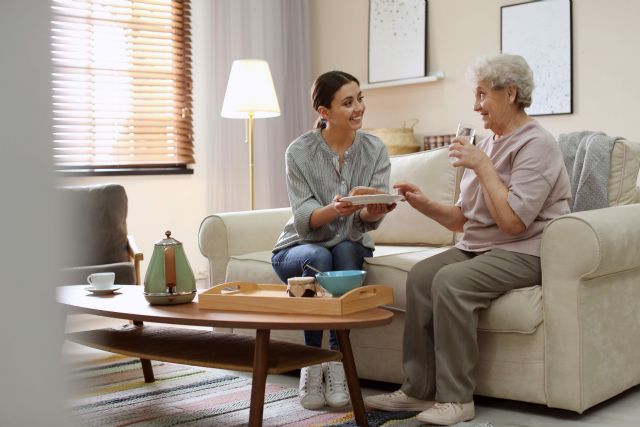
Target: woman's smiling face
347, 107
494, 105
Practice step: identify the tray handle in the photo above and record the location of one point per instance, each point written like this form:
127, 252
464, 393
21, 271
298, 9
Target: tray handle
232, 288
381, 291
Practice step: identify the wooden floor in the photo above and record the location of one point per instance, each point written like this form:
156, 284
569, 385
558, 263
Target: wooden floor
621, 411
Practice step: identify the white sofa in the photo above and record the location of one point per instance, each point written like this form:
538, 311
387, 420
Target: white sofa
570, 343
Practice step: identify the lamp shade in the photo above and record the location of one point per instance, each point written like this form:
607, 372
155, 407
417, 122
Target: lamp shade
250, 90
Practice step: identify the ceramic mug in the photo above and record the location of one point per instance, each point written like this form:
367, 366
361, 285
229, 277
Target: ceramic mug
101, 280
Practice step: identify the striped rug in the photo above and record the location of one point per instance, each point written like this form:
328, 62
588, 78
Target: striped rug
112, 392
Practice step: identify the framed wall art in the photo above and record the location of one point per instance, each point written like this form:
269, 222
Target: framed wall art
397, 40
540, 31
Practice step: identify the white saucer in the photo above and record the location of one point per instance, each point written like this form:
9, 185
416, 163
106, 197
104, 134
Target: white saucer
110, 290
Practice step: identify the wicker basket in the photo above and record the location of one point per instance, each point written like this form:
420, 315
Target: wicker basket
398, 140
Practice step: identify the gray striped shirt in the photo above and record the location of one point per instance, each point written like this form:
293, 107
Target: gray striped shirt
314, 179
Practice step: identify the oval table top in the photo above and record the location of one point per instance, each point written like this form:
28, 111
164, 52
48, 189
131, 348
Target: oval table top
129, 303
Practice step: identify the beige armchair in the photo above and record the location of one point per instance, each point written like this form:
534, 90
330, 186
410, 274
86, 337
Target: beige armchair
570, 343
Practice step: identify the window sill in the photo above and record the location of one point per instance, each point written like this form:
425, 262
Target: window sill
169, 170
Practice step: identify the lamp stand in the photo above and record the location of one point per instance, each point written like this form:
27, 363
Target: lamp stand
251, 160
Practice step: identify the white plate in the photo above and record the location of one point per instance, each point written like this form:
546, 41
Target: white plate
110, 290
367, 199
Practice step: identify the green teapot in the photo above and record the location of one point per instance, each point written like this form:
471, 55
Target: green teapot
169, 278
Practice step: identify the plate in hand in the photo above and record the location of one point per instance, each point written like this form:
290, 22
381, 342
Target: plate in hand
368, 199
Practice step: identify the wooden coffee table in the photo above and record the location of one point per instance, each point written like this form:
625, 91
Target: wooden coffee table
259, 355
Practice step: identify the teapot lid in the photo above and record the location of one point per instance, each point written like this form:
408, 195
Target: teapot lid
168, 241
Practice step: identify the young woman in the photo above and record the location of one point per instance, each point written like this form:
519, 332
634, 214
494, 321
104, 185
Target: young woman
324, 165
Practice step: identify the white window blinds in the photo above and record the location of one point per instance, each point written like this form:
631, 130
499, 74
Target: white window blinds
121, 84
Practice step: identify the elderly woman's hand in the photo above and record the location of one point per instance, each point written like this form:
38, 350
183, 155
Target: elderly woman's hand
412, 194
468, 155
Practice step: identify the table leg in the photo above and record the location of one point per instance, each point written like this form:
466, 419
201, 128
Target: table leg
260, 367
147, 369
352, 378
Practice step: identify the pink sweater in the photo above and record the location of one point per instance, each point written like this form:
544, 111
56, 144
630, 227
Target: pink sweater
529, 162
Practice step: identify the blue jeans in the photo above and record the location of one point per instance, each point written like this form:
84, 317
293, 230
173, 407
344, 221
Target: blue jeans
291, 262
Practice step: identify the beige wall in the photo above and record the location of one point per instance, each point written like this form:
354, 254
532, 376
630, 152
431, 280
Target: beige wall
606, 59
606, 93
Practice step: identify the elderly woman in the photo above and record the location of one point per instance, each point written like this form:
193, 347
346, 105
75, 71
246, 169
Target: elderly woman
514, 183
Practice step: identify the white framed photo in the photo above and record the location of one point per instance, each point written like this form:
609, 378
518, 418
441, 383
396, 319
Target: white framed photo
397, 40
540, 31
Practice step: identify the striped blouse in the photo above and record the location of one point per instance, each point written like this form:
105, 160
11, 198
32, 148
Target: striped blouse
314, 179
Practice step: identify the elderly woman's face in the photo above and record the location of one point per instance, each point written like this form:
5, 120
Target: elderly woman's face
494, 105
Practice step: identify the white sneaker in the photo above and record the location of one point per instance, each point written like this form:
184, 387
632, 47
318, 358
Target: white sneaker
336, 392
311, 391
447, 414
397, 401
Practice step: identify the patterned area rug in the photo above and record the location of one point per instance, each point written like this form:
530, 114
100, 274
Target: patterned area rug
112, 392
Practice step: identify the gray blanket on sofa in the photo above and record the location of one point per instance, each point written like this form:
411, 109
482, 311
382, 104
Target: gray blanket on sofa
587, 157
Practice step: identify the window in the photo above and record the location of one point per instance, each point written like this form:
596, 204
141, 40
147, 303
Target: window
121, 86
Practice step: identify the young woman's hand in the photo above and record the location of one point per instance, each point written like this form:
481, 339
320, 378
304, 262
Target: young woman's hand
376, 209
344, 208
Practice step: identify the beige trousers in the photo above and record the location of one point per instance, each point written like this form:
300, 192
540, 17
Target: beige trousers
444, 294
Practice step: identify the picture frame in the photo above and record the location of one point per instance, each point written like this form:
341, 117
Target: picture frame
397, 40
541, 32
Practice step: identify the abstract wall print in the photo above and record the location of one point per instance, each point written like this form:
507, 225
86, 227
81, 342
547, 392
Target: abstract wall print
540, 31
397, 39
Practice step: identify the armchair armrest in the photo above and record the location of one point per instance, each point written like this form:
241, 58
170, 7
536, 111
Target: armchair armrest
224, 235
135, 255
591, 288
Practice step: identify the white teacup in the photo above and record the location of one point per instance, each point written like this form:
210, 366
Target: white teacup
101, 280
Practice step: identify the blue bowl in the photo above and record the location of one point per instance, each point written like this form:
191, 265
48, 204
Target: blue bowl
341, 282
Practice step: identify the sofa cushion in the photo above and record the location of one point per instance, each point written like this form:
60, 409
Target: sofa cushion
391, 270
430, 170
256, 266
623, 172
517, 311
252, 267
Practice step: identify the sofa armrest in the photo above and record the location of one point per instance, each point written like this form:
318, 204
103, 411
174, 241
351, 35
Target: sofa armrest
224, 235
591, 288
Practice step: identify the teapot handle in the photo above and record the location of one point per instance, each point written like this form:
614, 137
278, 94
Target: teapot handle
170, 269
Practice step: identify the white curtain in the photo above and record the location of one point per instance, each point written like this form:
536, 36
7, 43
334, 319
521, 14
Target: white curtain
277, 31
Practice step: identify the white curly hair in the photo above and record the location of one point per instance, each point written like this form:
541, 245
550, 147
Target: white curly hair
504, 70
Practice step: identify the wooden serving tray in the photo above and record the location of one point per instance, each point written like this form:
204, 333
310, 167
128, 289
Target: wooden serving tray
249, 296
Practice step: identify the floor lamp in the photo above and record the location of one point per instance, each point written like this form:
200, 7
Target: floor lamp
250, 95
